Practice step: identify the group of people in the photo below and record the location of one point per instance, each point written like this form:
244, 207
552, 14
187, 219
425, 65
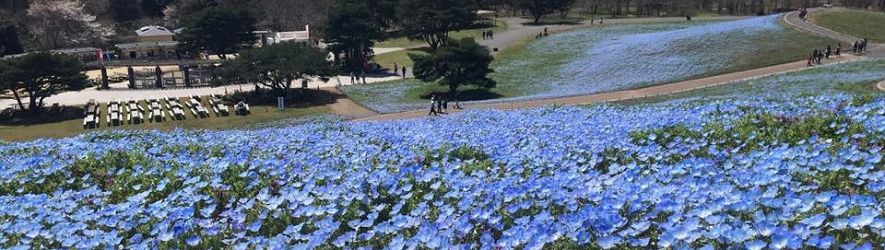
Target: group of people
439, 105
817, 56
396, 67
860, 47
355, 77
488, 35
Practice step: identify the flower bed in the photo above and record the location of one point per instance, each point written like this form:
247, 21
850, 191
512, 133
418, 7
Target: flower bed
618, 57
752, 173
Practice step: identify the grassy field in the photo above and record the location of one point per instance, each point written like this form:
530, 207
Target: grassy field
856, 78
859, 23
404, 42
536, 68
260, 115
400, 58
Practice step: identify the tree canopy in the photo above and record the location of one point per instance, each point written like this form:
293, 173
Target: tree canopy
540, 8
277, 66
40, 75
9, 43
461, 62
352, 29
432, 20
219, 30
57, 24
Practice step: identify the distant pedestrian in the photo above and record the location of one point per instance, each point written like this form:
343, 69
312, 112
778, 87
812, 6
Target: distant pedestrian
445, 104
863, 46
491, 34
458, 104
395, 67
404, 72
810, 60
364, 77
829, 51
433, 106
688, 17
814, 56
352, 78
856, 48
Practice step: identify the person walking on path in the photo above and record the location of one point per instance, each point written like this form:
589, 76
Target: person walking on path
363, 75
445, 104
829, 51
433, 106
404, 72
491, 34
811, 59
352, 78
395, 67
863, 46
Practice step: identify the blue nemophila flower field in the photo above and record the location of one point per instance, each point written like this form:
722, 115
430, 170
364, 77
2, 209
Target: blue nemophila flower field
802, 173
617, 57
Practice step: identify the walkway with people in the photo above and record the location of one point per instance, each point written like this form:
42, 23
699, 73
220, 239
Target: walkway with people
658, 90
515, 32
874, 51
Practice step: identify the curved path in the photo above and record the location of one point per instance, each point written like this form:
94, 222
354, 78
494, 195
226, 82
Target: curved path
629, 94
792, 19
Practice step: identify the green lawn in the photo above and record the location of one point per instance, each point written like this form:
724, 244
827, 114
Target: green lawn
857, 78
859, 23
400, 58
404, 42
260, 115
532, 67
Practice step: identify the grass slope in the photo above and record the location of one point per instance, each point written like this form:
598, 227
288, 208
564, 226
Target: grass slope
859, 23
404, 42
856, 78
551, 67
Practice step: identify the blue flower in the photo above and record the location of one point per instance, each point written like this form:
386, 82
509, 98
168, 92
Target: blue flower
193, 240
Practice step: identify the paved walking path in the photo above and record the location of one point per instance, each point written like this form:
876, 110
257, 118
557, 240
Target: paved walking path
881, 86
794, 20
875, 51
628, 94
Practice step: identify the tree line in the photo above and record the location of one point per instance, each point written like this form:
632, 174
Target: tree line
669, 7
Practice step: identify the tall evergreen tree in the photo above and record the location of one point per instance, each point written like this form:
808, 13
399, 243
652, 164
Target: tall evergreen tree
352, 29
9, 42
432, 20
460, 62
219, 30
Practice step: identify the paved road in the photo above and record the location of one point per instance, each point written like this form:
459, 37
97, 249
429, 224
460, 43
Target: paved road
516, 31
876, 51
629, 94
794, 20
